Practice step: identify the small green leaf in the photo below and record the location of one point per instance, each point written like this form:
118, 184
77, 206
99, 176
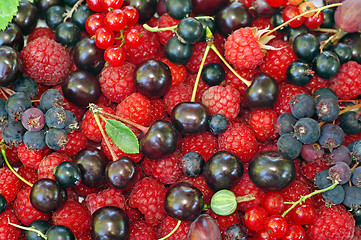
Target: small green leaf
122, 136
8, 9
224, 202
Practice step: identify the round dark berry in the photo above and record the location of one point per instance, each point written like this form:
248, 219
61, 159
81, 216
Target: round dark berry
306, 46
299, 72
3, 204
327, 109
189, 30
54, 16
67, 174
56, 138
67, 33
34, 140
331, 136
285, 123
17, 104
343, 52
26, 85
40, 225
13, 132
178, 9
218, 123
213, 74
288, 144
55, 117
177, 52
302, 105
307, 130
192, 164
326, 65
50, 98
60, 232
350, 122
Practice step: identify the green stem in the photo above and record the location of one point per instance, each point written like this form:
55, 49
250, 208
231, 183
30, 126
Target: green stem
33, 229
347, 109
3, 152
303, 198
173, 231
157, 29
112, 152
206, 51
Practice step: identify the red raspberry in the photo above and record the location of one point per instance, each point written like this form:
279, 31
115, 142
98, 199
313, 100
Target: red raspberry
147, 50
200, 183
331, 223
73, 215
7, 231
317, 83
107, 197
41, 32
309, 170
198, 51
76, 142
135, 108
286, 91
177, 94
166, 21
133, 213
244, 187
201, 88
165, 170
357, 233
295, 190
24, 210
222, 100
350, 138
347, 83
262, 121
276, 62
31, 158
157, 109
205, 143
179, 72
46, 61
29, 174
141, 230
237, 83
265, 23
168, 224
225, 221
148, 196
84, 191
242, 49
49, 162
12, 156
117, 82
9, 184
90, 128
239, 139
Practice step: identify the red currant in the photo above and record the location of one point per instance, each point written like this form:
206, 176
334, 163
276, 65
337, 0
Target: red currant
294, 232
290, 12
273, 203
305, 7
104, 38
115, 20
254, 217
115, 55
132, 15
112, 4
295, 2
276, 3
276, 226
303, 214
315, 21
95, 5
133, 37
94, 22
264, 235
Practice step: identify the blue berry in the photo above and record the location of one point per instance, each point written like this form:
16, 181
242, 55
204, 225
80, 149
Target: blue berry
302, 105
307, 130
341, 154
285, 123
288, 144
335, 196
339, 172
56, 138
13, 132
218, 123
71, 123
356, 150
352, 197
192, 164
322, 180
324, 92
3, 113
33, 119
34, 140
50, 98
356, 177
350, 122
16, 104
327, 109
55, 117
26, 85
331, 136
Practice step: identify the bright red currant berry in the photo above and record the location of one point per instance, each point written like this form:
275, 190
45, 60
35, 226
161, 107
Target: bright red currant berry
273, 202
115, 20
133, 37
276, 3
104, 38
255, 217
314, 21
295, 2
276, 226
111, 4
290, 12
132, 15
294, 232
115, 55
94, 22
95, 5
303, 214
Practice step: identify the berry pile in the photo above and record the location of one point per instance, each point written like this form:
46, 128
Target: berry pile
181, 119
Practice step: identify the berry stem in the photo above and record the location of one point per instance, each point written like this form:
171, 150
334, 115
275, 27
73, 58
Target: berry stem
73, 9
303, 198
112, 152
300, 15
350, 108
157, 29
3, 152
326, 30
246, 198
173, 231
206, 51
33, 229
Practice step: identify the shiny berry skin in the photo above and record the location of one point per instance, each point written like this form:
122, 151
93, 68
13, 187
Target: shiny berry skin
273, 202
115, 20
94, 22
95, 5
178, 9
290, 12
276, 3
276, 226
255, 217
303, 214
111, 4
190, 30
67, 174
60, 232
115, 56
294, 232
3, 204
315, 21
121, 173
104, 38
132, 15
133, 37
11, 65
178, 52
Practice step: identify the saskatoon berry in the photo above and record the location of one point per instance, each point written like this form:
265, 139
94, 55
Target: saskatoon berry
16, 104
323, 93
34, 140
218, 123
352, 197
26, 85
71, 123
356, 177
67, 174
192, 164
55, 117
331, 136
50, 98
341, 154
327, 109
285, 123
339, 172
311, 152
322, 180
335, 195
3, 113
289, 145
13, 132
33, 119
302, 105
56, 138
121, 173
307, 130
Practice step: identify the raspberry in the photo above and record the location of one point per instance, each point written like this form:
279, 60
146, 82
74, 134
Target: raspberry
200, 183
204, 143
265, 23
286, 91
76, 142
41, 32
198, 51
244, 187
157, 109
331, 223
225, 221
133, 213
166, 21
89, 126
148, 196
141, 230
135, 108
177, 94
179, 72
29, 174
24, 210
316, 83
222, 100
31, 158
168, 224
276, 62
84, 191
235, 82
262, 121
117, 82
7, 231
295, 190
239, 139
107, 197
9, 184
201, 88
12, 156
49, 162
73, 215
309, 170
165, 170
357, 233
347, 83
147, 50
242, 49
46, 61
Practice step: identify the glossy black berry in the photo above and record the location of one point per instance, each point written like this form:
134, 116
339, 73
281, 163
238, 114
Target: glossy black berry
292, 33
178, 9
68, 34
213, 74
322, 38
3, 204
354, 41
272, 170
34, 141
40, 225
223, 170
306, 46
343, 52
192, 164
299, 72
302, 105
207, 22
44, 5
190, 30
326, 65
26, 85
54, 16
27, 17
350, 122
178, 52
289, 145
60, 232
67, 174
328, 18
285, 123
324, 93
218, 123
327, 109
145, 8
121, 173
80, 16
12, 37
11, 65
277, 19
307, 130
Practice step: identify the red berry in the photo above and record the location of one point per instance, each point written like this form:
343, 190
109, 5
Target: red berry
133, 37
303, 214
290, 12
276, 226
115, 56
276, 3
104, 38
95, 5
315, 21
273, 202
115, 20
94, 22
294, 232
131, 14
255, 217
111, 4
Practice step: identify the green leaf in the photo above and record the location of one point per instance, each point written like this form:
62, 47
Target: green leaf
8, 9
122, 136
224, 202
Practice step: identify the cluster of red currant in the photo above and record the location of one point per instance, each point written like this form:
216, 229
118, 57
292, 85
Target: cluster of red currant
111, 23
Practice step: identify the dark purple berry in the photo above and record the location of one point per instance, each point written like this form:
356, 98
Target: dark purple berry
312, 152
56, 138
327, 109
289, 145
218, 123
339, 172
192, 164
307, 130
302, 105
331, 136
285, 123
